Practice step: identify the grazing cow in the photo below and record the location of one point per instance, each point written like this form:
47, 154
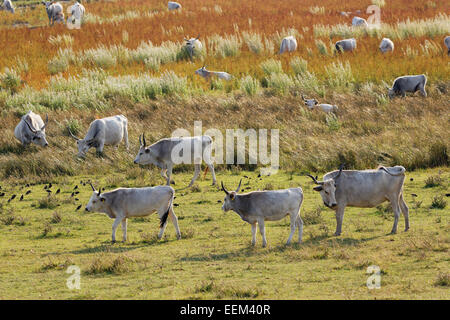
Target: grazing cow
31, 129
209, 74
193, 46
408, 84
76, 12
54, 11
346, 45
363, 189
8, 6
172, 5
447, 44
163, 152
288, 44
101, 132
124, 203
260, 206
359, 22
325, 107
386, 45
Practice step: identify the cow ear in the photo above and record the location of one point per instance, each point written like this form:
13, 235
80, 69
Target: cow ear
102, 199
147, 150
232, 195
318, 188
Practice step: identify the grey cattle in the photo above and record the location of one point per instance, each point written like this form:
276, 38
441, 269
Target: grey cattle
54, 11
172, 5
165, 153
408, 84
8, 6
447, 44
346, 45
209, 74
325, 107
259, 206
288, 44
359, 22
101, 132
386, 45
77, 12
31, 129
363, 189
124, 203
193, 46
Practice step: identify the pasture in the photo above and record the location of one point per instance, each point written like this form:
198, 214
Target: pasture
128, 58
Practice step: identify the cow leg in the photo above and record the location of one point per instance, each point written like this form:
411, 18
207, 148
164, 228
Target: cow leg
163, 174
125, 135
211, 168
300, 228
403, 93
339, 220
114, 227
161, 229
174, 219
405, 211
196, 174
124, 229
169, 174
262, 230
396, 209
100, 147
423, 92
293, 227
253, 234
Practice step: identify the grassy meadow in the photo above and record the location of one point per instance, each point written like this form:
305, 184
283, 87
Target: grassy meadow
129, 59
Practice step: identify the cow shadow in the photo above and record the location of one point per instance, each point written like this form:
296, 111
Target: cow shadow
119, 247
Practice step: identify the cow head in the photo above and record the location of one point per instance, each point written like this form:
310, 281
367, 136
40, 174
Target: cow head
327, 189
310, 103
230, 196
391, 93
144, 155
38, 135
84, 145
97, 202
202, 72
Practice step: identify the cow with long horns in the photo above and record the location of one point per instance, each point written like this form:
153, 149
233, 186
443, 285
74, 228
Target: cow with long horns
101, 132
124, 203
363, 189
31, 129
259, 206
193, 46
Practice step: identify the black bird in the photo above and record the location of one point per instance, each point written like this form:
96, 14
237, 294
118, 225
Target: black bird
76, 199
12, 198
414, 195
21, 197
75, 188
259, 175
49, 185
175, 204
58, 191
49, 191
45, 187
411, 179
78, 208
2, 194
72, 194
28, 192
219, 201
447, 194
27, 185
76, 192
245, 177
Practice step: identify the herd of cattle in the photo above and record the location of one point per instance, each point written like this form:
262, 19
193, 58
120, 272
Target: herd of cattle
338, 189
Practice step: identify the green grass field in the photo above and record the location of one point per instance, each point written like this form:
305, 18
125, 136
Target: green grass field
40, 237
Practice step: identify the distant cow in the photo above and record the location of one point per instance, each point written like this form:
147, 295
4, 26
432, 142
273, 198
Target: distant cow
325, 107
101, 132
172, 5
288, 44
31, 129
76, 12
386, 45
363, 189
408, 84
124, 203
209, 74
447, 44
359, 22
8, 6
259, 206
162, 154
193, 46
54, 11
346, 45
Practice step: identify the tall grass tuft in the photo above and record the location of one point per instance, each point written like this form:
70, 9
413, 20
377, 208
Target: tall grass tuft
299, 66
271, 66
339, 76
249, 85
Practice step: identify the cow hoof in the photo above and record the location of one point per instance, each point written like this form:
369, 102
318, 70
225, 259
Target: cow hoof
337, 234
406, 229
178, 236
113, 241
393, 232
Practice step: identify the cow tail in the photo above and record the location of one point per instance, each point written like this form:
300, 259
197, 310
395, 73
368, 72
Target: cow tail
166, 215
206, 171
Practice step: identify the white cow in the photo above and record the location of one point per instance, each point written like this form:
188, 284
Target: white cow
209, 74
172, 5
288, 44
359, 22
101, 132
447, 44
31, 129
325, 107
259, 206
194, 46
345, 45
408, 84
8, 6
54, 11
124, 203
386, 45
77, 12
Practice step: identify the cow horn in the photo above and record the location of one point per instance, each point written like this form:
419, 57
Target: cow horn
46, 121
223, 188
303, 97
140, 141
73, 136
143, 138
239, 186
99, 191
314, 179
340, 171
197, 37
29, 126
93, 189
